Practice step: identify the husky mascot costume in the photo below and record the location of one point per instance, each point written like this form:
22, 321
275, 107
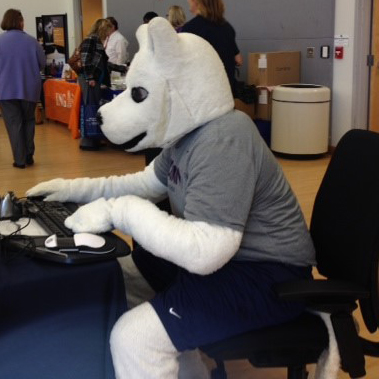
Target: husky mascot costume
235, 229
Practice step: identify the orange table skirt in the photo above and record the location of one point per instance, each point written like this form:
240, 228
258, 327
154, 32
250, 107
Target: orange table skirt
62, 103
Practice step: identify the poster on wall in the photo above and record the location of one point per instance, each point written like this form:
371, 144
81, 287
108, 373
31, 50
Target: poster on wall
52, 34
39, 29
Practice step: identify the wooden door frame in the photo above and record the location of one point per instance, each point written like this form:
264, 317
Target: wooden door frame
361, 71
89, 18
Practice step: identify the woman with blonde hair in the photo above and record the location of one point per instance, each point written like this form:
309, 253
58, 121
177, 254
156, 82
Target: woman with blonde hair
210, 24
94, 58
176, 17
94, 71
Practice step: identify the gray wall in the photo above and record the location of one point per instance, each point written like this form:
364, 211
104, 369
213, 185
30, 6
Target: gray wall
261, 25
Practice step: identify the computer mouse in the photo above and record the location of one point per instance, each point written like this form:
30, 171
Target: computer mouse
51, 241
88, 239
79, 239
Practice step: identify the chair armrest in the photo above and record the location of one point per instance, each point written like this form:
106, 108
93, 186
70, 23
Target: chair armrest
322, 295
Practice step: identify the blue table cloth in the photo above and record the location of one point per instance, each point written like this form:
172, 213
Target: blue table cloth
55, 320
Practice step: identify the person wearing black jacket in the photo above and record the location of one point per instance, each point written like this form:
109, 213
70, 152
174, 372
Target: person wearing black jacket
94, 60
210, 24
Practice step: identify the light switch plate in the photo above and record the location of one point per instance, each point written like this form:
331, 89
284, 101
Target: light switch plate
310, 52
325, 52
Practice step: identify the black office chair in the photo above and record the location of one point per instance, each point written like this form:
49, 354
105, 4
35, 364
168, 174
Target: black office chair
345, 231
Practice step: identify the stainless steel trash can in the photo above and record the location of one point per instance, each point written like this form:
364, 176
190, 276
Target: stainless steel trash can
300, 119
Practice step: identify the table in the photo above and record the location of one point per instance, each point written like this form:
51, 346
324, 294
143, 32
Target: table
62, 103
63, 100
55, 320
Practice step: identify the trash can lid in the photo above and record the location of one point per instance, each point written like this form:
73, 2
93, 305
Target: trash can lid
302, 93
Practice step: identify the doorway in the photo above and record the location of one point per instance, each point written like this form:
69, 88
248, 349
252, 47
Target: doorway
91, 10
374, 71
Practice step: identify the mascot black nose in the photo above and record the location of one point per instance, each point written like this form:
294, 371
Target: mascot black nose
99, 118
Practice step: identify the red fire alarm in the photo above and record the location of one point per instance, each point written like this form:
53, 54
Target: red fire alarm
338, 52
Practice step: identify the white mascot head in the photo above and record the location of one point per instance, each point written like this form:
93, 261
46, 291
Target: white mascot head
176, 82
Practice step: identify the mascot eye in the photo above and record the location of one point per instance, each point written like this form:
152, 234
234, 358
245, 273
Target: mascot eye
139, 94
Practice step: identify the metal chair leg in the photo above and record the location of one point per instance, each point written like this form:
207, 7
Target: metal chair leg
297, 372
349, 345
219, 372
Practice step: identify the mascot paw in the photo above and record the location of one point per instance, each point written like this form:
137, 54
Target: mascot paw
53, 190
94, 217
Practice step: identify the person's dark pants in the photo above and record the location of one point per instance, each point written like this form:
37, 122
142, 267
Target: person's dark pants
158, 272
19, 119
200, 309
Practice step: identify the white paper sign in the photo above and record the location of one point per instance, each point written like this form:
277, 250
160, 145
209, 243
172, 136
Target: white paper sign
341, 40
263, 97
262, 61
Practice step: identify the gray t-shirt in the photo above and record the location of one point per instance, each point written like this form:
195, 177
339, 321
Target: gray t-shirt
224, 174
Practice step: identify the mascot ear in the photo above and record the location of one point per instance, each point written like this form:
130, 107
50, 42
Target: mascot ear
143, 38
158, 36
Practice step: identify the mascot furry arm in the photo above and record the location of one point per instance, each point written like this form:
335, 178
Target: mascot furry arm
203, 248
159, 106
84, 190
197, 246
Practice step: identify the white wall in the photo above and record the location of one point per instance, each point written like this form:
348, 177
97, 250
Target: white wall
350, 74
343, 71
347, 112
32, 9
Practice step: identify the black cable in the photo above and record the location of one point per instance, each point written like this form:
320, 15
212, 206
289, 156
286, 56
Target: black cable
24, 244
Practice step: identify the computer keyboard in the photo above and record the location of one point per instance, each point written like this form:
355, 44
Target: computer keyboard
51, 215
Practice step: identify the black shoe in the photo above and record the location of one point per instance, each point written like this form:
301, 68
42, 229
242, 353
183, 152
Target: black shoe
89, 144
18, 165
30, 160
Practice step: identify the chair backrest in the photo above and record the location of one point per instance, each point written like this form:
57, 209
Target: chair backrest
345, 218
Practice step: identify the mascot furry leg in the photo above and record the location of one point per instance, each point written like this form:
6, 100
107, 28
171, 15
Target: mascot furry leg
141, 331
189, 364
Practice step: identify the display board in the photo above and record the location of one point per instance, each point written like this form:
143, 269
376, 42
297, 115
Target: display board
52, 35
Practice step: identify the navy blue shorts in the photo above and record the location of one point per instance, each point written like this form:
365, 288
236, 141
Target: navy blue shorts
196, 310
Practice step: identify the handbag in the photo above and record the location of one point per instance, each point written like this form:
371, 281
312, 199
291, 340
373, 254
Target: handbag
75, 61
89, 126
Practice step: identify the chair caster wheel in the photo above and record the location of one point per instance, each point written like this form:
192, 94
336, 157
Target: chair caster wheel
219, 373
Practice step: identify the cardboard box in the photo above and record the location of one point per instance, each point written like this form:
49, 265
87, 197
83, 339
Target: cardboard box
263, 111
274, 68
249, 109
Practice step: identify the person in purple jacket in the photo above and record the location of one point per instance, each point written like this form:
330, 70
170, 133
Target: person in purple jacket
21, 61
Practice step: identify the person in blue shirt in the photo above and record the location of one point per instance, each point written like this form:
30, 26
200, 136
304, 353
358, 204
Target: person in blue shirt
210, 24
21, 61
